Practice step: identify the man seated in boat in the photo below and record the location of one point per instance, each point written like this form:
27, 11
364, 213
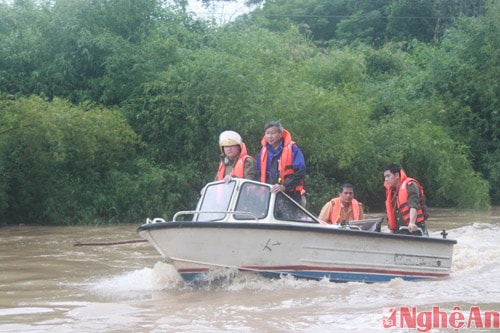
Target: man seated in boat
342, 209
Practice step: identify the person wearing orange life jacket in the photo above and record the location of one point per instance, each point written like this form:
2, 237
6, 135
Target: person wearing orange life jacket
405, 201
234, 160
343, 208
280, 162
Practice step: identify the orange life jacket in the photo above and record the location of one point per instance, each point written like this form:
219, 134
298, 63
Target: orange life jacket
285, 167
402, 202
238, 167
337, 206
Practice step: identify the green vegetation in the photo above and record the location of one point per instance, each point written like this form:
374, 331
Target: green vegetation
110, 110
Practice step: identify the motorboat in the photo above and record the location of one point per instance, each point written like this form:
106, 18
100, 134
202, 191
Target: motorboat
242, 226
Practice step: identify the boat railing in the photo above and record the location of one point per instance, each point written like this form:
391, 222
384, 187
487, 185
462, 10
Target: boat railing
364, 225
155, 220
406, 231
251, 216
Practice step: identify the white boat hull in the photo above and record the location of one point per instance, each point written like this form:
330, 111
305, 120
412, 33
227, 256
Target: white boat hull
243, 225
300, 249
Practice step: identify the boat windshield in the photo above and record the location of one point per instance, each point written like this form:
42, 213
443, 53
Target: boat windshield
254, 199
288, 210
215, 201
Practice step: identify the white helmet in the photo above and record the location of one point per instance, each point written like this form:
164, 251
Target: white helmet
229, 138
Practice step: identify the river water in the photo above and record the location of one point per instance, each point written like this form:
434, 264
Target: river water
49, 285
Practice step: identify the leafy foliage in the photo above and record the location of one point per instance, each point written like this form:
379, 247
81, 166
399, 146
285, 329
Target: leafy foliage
367, 21
111, 109
63, 164
86, 50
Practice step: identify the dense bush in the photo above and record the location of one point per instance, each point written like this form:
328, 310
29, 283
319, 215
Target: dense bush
133, 95
63, 164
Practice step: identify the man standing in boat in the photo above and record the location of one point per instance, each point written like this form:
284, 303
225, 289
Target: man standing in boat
344, 208
234, 161
405, 201
280, 162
